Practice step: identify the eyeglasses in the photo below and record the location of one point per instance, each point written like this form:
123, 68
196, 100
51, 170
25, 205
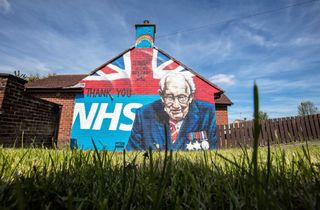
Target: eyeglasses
181, 98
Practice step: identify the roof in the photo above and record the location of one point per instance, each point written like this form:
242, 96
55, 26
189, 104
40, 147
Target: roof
223, 100
56, 81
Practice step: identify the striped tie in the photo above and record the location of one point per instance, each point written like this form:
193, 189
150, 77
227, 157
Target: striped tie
173, 130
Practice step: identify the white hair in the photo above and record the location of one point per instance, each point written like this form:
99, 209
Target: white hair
187, 78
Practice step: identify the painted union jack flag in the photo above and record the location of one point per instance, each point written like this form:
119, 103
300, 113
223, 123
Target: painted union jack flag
118, 69
162, 64
139, 69
121, 67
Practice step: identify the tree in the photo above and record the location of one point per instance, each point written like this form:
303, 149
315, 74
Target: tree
307, 108
33, 77
263, 115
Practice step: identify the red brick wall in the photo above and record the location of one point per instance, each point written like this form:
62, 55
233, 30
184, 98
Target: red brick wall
67, 102
3, 83
222, 114
25, 119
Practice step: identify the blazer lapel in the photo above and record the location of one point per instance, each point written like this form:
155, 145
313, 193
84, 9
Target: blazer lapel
191, 121
160, 125
189, 124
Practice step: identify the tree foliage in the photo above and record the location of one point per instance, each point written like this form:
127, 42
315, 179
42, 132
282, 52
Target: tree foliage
31, 77
263, 115
307, 108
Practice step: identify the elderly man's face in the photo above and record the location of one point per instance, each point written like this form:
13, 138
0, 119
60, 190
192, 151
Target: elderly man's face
176, 97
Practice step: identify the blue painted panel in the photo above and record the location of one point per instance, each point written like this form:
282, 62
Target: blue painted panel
144, 36
107, 122
161, 58
119, 62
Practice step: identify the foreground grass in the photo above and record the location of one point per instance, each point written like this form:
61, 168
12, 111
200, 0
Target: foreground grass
287, 178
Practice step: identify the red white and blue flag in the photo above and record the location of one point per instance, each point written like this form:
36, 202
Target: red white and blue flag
141, 69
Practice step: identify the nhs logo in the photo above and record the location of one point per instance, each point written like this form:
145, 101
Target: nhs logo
107, 122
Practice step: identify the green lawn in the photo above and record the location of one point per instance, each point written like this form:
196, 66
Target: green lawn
287, 178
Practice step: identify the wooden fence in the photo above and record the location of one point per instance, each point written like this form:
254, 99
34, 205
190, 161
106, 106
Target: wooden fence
280, 130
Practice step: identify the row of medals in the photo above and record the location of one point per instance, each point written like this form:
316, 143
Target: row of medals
197, 145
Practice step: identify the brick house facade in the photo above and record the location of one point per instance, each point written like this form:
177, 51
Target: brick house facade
66, 100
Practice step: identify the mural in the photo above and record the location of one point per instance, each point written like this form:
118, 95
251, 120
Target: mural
144, 98
176, 121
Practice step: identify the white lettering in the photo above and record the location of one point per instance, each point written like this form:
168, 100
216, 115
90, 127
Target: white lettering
85, 121
129, 114
114, 116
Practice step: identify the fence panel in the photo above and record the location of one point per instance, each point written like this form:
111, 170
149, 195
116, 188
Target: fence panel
312, 127
306, 121
275, 125
228, 137
290, 129
286, 130
262, 137
301, 129
269, 131
281, 130
250, 133
233, 135
316, 125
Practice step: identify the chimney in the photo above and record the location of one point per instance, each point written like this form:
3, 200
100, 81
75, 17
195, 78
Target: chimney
145, 35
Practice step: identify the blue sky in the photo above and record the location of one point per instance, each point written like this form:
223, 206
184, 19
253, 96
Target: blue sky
279, 49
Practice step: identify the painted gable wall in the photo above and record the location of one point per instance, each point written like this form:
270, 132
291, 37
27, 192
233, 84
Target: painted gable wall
105, 112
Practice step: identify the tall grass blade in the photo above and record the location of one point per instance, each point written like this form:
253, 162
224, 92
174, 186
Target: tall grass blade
256, 132
164, 173
96, 152
17, 165
124, 174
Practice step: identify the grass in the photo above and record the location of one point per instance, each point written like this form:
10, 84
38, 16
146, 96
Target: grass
66, 179
274, 177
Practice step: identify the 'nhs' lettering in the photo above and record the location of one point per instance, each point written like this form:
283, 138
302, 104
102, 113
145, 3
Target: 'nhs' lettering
98, 112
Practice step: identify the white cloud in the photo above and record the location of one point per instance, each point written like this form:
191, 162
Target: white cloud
276, 86
5, 6
255, 38
26, 65
210, 50
270, 67
223, 79
306, 40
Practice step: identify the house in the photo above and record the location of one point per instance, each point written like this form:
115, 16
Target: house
100, 106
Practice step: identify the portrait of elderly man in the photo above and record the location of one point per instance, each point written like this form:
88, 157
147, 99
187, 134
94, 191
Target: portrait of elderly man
176, 119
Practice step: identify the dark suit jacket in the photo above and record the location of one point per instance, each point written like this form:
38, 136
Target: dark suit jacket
151, 126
